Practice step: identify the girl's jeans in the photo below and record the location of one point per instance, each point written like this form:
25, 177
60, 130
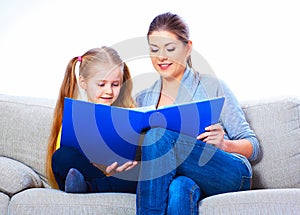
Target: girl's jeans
68, 157
177, 170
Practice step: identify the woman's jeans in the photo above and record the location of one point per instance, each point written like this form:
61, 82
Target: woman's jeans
66, 158
178, 170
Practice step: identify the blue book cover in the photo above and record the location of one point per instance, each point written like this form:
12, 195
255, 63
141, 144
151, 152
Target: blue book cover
107, 134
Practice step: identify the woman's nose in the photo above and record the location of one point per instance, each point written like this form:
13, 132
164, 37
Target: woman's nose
162, 55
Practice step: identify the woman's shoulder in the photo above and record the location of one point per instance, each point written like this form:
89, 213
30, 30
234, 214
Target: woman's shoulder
210, 79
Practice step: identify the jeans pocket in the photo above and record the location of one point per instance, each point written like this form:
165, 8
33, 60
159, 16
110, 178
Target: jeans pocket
245, 183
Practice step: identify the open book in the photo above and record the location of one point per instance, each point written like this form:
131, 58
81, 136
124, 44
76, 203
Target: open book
106, 134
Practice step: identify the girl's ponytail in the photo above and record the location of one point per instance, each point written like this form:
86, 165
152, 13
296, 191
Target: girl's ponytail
69, 88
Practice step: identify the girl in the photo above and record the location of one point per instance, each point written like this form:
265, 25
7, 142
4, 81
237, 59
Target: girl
104, 78
178, 170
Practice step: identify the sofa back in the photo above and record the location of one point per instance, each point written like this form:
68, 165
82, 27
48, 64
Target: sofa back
25, 127
276, 123
25, 124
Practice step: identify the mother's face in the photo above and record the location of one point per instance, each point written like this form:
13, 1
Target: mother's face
168, 54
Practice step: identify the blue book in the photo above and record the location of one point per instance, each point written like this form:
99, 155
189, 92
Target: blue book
107, 134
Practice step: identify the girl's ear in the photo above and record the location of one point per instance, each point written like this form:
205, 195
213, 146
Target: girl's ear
82, 82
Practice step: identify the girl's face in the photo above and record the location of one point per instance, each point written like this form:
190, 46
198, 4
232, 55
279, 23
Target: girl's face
168, 54
104, 86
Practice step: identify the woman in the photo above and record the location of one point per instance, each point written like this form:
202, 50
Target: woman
178, 170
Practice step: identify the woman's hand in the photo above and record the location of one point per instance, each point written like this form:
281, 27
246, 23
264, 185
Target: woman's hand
115, 168
214, 135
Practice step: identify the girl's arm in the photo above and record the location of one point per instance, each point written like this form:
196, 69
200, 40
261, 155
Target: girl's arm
115, 168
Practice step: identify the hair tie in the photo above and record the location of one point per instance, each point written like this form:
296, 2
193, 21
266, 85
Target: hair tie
79, 58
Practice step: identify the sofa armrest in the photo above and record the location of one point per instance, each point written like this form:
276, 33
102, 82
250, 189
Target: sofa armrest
16, 176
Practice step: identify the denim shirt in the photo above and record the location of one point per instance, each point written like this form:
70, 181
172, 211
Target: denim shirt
195, 86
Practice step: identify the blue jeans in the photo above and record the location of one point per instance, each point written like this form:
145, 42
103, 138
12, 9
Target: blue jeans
169, 157
184, 195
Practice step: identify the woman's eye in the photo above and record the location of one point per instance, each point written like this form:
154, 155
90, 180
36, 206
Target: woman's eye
101, 84
115, 84
152, 49
171, 49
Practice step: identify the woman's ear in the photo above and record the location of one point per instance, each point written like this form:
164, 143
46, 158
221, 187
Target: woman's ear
189, 47
82, 82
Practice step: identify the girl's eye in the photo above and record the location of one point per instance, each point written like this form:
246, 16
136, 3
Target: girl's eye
115, 84
101, 84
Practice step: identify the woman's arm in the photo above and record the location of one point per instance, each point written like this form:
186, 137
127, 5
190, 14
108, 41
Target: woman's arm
233, 134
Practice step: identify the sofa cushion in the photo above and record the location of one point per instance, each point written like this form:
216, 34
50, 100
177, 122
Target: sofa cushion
4, 200
277, 124
50, 201
25, 127
16, 176
268, 201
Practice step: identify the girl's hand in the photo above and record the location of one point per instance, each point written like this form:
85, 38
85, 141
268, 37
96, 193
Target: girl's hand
115, 168
214, 135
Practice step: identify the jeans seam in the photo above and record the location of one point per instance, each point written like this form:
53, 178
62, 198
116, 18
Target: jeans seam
192, 203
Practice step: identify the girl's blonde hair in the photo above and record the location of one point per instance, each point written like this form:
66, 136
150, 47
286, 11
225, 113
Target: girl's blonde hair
69, 88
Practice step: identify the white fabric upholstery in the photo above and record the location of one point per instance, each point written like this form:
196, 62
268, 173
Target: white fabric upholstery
4, 201
49, 201
277, 126
266, 202
16, 176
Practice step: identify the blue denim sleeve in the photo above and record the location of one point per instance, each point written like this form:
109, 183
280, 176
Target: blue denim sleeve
234, 122
139, 98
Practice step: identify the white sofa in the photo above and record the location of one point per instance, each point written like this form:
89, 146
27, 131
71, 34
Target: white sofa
25, 126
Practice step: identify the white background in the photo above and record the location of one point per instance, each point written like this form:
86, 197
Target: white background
254, 46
